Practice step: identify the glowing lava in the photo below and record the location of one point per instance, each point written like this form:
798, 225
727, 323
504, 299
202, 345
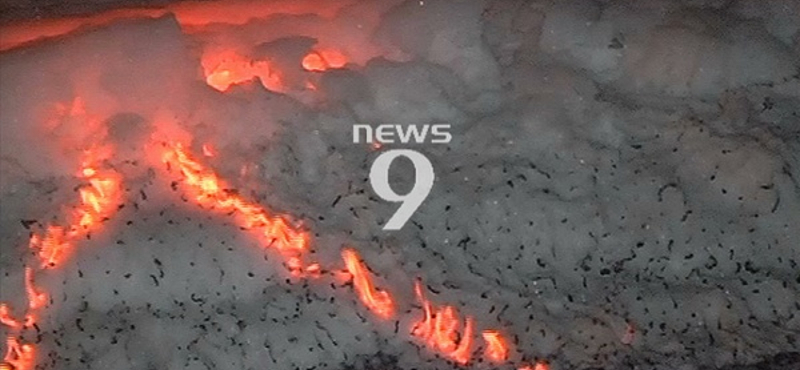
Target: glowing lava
224, 69
442, 329
99, 194
496, 346
191, 15
208, 190
321, 60
6, 318
18, 356
439, 328
378, 301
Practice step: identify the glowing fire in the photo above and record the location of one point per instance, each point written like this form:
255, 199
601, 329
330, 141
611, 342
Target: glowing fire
224, 69
6, 318
496, 346
99, 197
321, 60
209, 191
190, 15
378, 301
439, 328
442, 329
36, 299
18, 356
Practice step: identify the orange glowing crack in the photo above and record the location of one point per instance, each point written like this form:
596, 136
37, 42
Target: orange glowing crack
99, 197
496, 346
439, 329
18, 356
36, 299
227, 68
442, 328
208, 190
324, 59
6, 318
378, 301
191, 15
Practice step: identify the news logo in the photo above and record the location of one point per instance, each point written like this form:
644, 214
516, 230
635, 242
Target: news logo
379, 172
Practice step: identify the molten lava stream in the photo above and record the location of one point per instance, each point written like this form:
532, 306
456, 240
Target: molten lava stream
496, 346
191, 15
378, 301
99, 197
439, 329
324, 59
227, 68
209, 191
18, 356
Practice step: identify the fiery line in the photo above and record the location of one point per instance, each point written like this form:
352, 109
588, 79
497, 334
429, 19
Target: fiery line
378, 301
440, 328
210, 191
98, 199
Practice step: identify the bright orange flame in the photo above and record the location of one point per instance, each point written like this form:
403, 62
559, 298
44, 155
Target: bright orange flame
378, 301
52, 246
36, 299
314, 62
439, 328
209, 191
229, 68
6, 319
496, 346
99, 197
19, 356
321, 60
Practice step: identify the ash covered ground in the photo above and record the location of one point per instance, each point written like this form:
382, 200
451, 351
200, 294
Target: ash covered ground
621, 190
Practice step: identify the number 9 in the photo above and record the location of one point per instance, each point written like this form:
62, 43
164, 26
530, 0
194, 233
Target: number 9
379, 179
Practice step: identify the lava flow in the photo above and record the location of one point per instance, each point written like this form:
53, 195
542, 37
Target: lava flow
378, 301
442, 329
99, 196
227, 68
439, 329
209, 191
191, 15
322, 60
18, 356
230, 68
496, 346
